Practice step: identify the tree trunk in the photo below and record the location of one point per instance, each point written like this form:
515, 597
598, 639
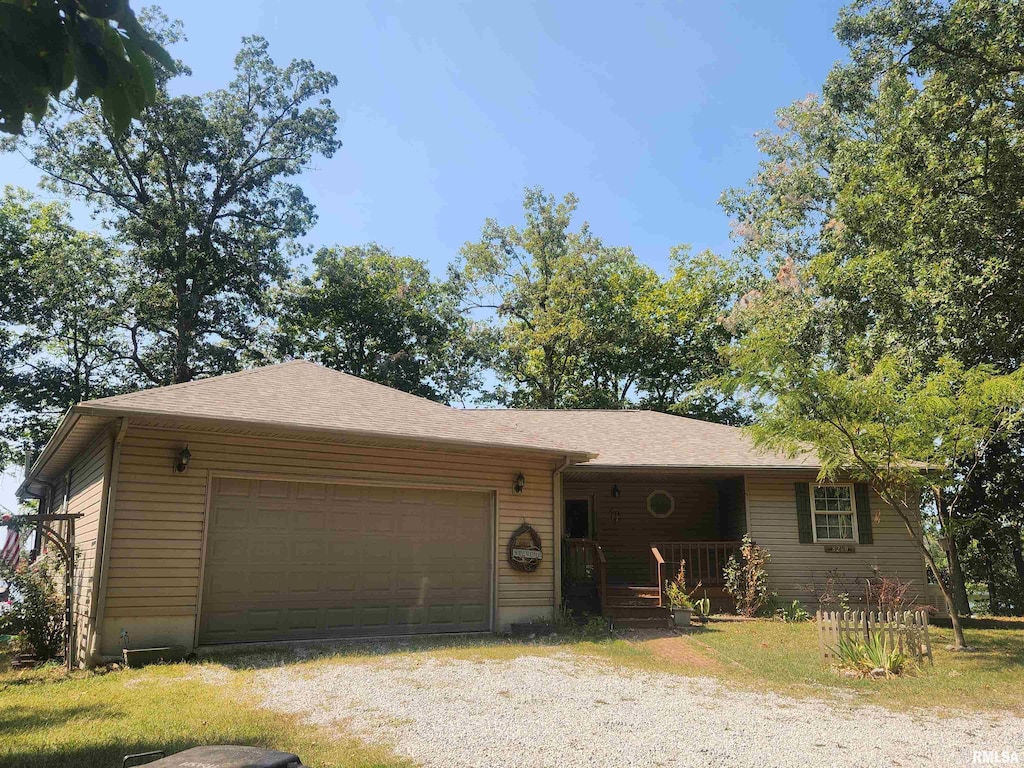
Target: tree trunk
956, 577
918, 539
954, 614
956, 571
183, 335
990, 582
1018, 562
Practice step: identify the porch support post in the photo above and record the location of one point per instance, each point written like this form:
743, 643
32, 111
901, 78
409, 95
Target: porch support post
556, 526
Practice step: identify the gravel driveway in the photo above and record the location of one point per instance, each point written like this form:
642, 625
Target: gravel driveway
567, 711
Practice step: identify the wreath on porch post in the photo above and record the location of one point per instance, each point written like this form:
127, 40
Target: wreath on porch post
524, 551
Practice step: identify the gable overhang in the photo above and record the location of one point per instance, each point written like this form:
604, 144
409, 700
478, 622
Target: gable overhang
81, 423
74, 432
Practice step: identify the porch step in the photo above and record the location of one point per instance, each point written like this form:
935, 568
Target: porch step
633, 592
637, 616
660, 622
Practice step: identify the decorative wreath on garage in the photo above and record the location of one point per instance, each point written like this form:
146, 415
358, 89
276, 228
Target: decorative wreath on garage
524, 552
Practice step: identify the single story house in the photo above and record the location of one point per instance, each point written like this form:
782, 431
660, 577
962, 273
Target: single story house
294, 502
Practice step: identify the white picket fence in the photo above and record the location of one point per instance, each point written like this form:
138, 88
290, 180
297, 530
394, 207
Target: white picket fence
906, 631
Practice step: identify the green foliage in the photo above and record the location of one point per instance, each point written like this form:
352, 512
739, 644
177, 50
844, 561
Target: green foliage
63, 302
676, 592
46, 45
896, 195
867, 656
702, 608
35, 614
992, 539
746, 577
793, 612
878, 416
370, 313
198, 194
583, 627
578, 324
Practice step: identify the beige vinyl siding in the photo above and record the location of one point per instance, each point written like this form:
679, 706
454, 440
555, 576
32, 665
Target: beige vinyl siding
797, 569
85, 496
157, 539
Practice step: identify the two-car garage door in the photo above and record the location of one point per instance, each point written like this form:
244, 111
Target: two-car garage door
295, 560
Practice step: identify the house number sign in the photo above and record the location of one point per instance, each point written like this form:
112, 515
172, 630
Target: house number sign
524, 551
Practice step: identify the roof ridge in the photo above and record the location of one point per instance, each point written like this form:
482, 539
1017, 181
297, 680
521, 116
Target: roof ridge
563, 410
192, 382
264, 369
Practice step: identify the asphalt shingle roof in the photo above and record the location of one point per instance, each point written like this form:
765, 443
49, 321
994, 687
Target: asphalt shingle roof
300, 394
304, 395
649, 439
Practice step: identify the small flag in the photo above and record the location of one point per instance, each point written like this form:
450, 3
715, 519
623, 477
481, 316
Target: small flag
10, 553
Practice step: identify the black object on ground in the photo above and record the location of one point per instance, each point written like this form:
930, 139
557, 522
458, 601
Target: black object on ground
223, 757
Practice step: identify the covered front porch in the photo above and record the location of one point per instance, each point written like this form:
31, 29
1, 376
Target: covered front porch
626, 533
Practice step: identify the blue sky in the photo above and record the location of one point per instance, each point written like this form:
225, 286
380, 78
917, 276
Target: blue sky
645, 111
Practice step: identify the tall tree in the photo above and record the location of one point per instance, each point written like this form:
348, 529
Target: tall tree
368, 312
678, 369
60, 325
534, 279
199, 193
879, 418
898, 190
582, 325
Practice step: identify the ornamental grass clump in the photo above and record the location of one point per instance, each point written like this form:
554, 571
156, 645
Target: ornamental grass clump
873, 657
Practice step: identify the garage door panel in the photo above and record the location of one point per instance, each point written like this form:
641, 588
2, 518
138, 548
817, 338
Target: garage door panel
348, 521
340, 618
275, 489
311, 491
301, 550
231, 486
290, 560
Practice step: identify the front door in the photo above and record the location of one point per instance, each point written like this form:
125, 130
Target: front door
578, 520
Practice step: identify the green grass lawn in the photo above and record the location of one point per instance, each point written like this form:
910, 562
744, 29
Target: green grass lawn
51, 718
784, 657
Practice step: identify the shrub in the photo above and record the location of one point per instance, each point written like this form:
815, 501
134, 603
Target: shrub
582, 627
35, 611
833, 592
746, 578
889, 593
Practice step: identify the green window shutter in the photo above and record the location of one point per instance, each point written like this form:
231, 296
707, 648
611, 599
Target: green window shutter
862, 498
803, 512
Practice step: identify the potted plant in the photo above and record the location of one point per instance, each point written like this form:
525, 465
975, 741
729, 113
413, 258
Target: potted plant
679, 599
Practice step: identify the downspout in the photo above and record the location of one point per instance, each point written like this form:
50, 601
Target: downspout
556, 547
101, 558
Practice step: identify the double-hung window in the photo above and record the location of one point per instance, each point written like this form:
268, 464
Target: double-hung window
834, 511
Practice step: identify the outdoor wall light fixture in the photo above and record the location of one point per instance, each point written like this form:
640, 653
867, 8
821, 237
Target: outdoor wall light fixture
184, 457
615, 491
519, 484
